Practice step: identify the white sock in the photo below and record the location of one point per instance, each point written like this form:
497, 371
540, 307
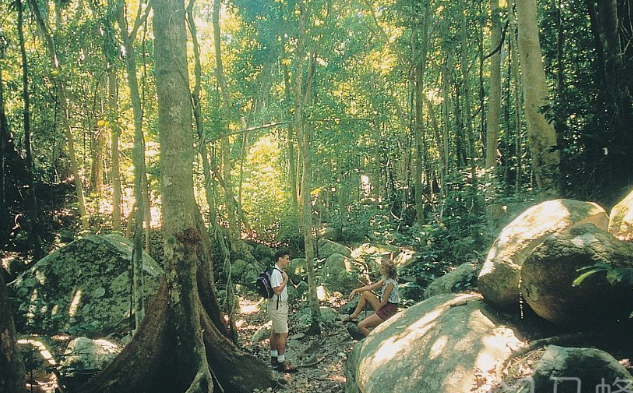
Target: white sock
273, 353
281, 358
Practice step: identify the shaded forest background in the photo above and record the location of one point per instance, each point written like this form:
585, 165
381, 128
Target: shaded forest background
406, 122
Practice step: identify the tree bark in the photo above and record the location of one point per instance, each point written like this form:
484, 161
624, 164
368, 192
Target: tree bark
34, 235
541, 134
225, 144
178, 347
114, 149
303, 137
420, 72
494, 96
11, 366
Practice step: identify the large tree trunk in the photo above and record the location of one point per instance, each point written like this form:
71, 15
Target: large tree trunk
11, 366
541, 134
178, 347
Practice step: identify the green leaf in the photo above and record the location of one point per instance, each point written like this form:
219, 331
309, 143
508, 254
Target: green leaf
586, 274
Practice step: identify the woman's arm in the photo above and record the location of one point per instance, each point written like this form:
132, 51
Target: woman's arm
365, 288
385, 296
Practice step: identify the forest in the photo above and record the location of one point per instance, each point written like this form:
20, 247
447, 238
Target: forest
202, 130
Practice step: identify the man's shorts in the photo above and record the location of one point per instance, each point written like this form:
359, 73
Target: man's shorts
279, 316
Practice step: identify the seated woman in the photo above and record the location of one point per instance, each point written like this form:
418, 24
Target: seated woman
385, 307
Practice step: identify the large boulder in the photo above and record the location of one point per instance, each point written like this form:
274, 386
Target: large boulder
585, 370
83, 288
340, 273
547, 276
83, 358
621, 218
499, 277
463, 278
326, 248
440, 345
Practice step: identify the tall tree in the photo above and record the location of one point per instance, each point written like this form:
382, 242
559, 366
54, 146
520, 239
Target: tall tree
181, 345
225, 144
541, 134
303, 136
494, 96
138, 156
33, 209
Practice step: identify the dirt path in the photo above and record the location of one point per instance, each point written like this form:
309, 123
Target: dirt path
321, 359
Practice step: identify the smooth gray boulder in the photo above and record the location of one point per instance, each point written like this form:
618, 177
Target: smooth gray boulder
340, 274
499, 277
621, 218
440, 345
326, 248
585, 370
81, 289
547, 276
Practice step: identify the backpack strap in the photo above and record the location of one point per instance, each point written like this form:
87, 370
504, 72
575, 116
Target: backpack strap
274, 268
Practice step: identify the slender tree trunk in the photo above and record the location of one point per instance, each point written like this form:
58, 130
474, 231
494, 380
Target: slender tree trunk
494, 96
98, 141
541, 134
114, 149
57, 74
420, 72
33, 209
4, 135
138, 157
290, 135
179, 347
514, 65
467, 115
225, 144
303, 136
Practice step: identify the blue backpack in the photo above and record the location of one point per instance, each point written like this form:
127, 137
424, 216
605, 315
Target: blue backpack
263, 283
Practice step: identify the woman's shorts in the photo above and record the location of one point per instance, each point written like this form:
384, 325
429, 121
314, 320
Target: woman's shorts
387, 311
279, 316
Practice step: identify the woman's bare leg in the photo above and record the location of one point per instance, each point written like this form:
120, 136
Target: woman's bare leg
365, 297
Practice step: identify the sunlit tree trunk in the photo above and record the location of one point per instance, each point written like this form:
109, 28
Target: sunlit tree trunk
57, 75
541, 134
115, 131
138, 155
420, 72
4, 135
467, 115
98, 140
303, 135
225, 144
514, 65
494, 95
180, 346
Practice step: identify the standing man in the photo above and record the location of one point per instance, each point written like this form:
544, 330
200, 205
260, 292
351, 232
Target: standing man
278, 312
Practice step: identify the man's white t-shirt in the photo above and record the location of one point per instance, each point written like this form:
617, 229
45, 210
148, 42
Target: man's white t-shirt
276, 279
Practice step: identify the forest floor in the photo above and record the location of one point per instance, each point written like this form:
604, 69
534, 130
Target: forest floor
320, 360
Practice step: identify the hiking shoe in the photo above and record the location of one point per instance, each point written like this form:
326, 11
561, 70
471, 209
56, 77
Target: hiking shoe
274, 362
348, 318
286, 367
